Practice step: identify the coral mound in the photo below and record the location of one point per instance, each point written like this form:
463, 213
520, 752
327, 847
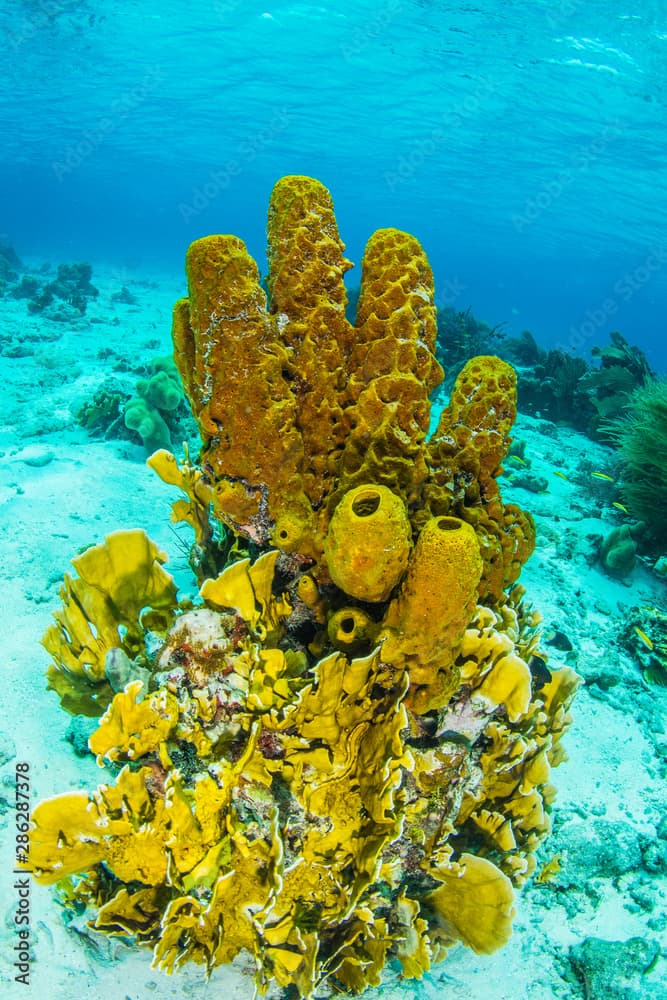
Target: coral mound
341, 755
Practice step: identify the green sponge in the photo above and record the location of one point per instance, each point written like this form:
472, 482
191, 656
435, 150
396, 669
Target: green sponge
618, 550
149, 425
160, 393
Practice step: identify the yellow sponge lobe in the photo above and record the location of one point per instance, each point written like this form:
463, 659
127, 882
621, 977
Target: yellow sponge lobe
425, 623
368, 542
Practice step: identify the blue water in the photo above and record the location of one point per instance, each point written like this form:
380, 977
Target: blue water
523, 143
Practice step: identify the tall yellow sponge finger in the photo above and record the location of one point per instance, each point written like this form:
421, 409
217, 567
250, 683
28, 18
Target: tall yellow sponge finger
392, 367
308, 299
233, 370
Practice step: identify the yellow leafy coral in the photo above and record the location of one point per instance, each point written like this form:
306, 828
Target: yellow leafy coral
341, 754
117, 582
130, 729
473, 904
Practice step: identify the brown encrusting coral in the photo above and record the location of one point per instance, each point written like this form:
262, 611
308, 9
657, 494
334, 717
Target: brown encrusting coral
342, 755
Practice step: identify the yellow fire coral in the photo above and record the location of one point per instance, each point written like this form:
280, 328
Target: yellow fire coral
117, 582
131, 729
474, 904
341, 754
195, 510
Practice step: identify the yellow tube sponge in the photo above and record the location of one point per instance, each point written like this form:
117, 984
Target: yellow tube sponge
464, 458
479, 417
348, 628
308, 298
233, 371
393, 367
368, 542
297, 406
425, 623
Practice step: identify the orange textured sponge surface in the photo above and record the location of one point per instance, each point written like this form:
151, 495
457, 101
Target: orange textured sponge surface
297, 406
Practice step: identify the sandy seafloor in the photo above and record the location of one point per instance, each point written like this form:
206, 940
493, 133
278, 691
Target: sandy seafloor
60, 490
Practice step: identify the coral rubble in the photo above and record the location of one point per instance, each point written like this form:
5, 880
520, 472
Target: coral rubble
71, 287
341, 755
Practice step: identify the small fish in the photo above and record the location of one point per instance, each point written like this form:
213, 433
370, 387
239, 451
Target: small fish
549, 870
644, 638
602, 475
620, 506
561, 474
560, 641
656, 612
539, 671
517, 459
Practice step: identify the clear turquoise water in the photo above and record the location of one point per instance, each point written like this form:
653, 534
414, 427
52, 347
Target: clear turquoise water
524, 143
